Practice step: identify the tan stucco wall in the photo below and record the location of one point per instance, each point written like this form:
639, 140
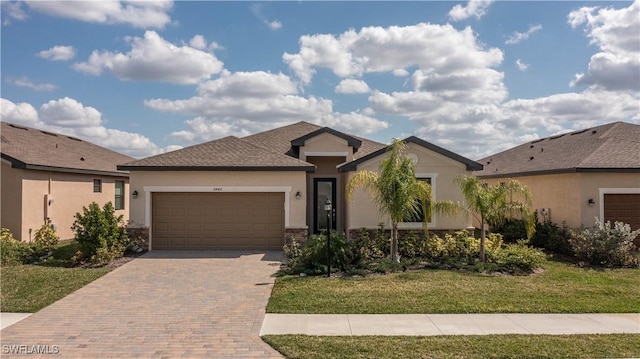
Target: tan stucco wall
324, 143
296, 180
11, 202
69, 191
362, 211
566, 195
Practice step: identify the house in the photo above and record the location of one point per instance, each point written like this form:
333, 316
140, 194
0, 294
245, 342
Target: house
256, 191
579, 176
48, 177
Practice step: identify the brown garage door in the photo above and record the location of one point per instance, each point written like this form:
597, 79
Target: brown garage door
217, 220
622, 208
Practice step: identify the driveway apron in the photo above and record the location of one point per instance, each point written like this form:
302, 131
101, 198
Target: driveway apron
191, 304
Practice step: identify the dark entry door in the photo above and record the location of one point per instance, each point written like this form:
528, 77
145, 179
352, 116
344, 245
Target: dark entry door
323, 189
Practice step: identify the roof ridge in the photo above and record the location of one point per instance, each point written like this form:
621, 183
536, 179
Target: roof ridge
272, 151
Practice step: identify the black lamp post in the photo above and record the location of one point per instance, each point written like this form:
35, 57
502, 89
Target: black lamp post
327, 207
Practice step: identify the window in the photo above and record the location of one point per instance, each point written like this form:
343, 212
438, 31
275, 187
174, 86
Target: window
97, 185
119, 199
418, 217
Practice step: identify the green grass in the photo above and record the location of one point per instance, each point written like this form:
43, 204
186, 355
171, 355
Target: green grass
459, 347
29, 288
562, 288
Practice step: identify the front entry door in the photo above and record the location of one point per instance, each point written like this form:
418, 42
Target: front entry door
323, 189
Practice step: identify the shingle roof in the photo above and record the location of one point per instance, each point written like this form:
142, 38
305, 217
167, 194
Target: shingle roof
228, 154
35, 149
279, 139
610, 147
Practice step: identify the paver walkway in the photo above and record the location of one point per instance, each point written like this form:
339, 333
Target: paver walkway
449, 324
194, 304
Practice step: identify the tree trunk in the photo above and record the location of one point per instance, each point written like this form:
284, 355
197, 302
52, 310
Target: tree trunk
483, 235
394, 241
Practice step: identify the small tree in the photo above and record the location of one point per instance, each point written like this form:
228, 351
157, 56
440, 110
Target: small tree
492, 204
100, 233
397, 192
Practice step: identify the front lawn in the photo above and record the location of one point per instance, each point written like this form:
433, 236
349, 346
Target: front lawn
29, 288
562, 288
467, 347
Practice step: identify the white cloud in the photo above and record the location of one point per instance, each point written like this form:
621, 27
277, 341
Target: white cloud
25, 82
615, 32
13, 10
58, 53
18, 113
474, 8
492, 129
521, 65
155, 59
139, 14
352, 86
243, 103
198, 42
518, 37
400, 72
274, 25
437, 48
257, 10
72, 118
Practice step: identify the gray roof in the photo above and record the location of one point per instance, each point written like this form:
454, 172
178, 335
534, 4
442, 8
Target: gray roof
265, 151
613, 147
280, 139
35, 149
225, 154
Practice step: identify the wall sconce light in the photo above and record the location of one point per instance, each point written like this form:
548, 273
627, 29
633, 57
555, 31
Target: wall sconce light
134, 194
591, 202
298, 195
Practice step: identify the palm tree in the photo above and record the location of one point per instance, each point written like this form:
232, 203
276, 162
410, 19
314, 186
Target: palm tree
397, 192
493, 204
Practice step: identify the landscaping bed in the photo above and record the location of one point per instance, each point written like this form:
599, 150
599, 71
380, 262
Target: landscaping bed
561, 288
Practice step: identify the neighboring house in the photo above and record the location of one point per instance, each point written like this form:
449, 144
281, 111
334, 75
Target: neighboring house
48, 178
579, 176
254, 192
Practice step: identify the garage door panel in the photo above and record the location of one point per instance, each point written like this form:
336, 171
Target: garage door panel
218, 220
623, 208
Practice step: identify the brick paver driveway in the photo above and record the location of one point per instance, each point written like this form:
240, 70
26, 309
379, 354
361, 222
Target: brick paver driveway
189, 304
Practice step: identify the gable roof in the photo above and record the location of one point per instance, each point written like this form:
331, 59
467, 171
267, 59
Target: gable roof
351, 141
613, 147
280, 139
225, 154
470, 165
34, 149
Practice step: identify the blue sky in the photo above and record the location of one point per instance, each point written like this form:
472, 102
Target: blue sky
474, 77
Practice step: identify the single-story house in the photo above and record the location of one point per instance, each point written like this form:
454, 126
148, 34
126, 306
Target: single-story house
579, 176
259, 190
48, 177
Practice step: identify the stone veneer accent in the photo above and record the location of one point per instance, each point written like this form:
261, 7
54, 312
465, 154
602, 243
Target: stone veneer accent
354, 234
300, 234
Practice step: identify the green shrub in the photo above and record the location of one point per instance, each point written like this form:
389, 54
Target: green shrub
548, 235
553, 238
385, 265
46, 239
101, 234
9, 248
606, 245
516, 258
412, 246
382, 242
312, 258
367, 249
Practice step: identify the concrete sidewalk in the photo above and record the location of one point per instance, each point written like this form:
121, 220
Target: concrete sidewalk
7, 319
449, 324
